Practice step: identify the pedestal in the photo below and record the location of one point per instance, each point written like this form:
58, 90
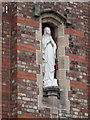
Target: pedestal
52, 97
51, 91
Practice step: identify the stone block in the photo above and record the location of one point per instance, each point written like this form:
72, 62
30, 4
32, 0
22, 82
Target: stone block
66, 63
76, 109
64, 100
86, 114
60, 51
38, 57
40, 101
61, 30
26, 98
64, 84
38, 35
19, 112
54, 110
63, 62
39, 80
63, 41
61, 74
68, 106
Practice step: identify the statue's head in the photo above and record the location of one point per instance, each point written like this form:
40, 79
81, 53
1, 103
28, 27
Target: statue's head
47, 31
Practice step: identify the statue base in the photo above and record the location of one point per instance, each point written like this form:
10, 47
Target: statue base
51, 91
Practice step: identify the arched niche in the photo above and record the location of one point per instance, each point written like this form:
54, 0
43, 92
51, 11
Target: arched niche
56, 22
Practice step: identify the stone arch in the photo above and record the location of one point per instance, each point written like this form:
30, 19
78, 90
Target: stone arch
57, 21
51, 18
54, 13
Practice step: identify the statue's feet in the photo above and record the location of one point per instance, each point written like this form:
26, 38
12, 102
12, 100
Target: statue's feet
50, 83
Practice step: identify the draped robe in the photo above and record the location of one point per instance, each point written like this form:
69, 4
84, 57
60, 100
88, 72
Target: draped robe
49, 55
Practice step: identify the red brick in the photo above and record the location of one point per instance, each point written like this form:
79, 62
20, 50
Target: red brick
74, 32
28, 48
26, 21
77, 58
77, 84
26, 75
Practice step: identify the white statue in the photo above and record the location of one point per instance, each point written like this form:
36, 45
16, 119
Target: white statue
49, 56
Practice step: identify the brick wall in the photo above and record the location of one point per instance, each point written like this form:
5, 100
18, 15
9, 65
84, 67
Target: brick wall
8, 60
88, 57
26, 66
13, 60
0, 59
6, 34
20, 88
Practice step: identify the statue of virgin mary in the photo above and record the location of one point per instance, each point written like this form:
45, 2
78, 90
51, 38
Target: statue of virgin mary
49, 56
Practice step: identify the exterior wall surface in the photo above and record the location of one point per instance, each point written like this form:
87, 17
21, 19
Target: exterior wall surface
20, 88
88, 58
6, 34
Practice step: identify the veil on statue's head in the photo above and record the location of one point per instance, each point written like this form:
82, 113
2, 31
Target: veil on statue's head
47, 31
46, 36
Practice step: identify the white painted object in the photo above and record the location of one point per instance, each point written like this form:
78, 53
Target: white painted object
49, 56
